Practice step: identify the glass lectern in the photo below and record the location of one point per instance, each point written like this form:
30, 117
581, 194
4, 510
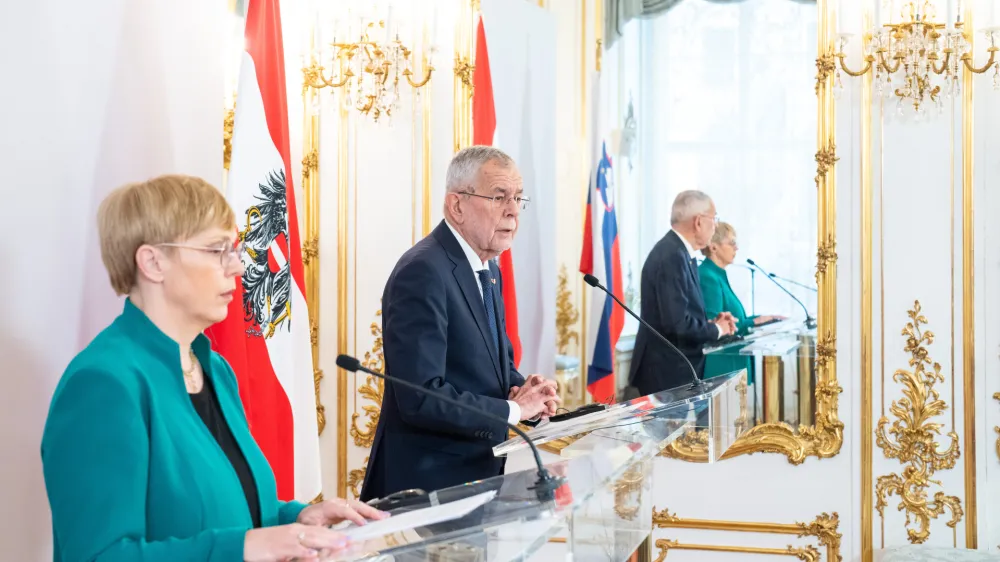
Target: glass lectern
601, 511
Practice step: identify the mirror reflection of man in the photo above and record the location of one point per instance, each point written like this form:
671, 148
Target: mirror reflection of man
443, 328
672, 300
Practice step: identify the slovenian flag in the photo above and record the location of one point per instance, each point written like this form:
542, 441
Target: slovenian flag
265, 337
601, 258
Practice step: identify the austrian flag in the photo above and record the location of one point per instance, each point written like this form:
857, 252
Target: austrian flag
266, 335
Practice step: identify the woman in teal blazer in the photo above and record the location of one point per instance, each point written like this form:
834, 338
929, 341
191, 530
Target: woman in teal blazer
146, 452
719, 297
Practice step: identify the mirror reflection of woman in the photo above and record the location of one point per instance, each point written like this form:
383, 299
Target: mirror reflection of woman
719, 297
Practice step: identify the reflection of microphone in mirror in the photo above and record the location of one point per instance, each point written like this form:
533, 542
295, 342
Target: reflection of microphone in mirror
810, 321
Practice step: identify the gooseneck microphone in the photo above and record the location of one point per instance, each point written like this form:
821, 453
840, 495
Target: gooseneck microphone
546, 484
810, 321
696, 382
791, 282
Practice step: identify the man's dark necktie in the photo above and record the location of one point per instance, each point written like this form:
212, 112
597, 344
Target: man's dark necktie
694, 272
486, 280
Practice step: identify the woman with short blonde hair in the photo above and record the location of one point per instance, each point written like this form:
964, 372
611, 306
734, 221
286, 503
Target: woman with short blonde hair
146, 452
719, 297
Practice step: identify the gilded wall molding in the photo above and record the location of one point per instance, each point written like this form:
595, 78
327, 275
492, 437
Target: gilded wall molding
807, 553
628, 490
826, 255
915, 436
824, 438
228, 121
356, 478
372, 391
310, 243
464, 70
826, 157
566, 314
996, 396
826, 65
824, 528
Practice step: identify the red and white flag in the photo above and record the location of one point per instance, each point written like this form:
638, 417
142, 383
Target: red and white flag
266, 335
484, 126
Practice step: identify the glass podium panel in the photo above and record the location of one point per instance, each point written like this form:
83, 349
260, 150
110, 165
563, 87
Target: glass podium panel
602, 509
717, 404
780, 360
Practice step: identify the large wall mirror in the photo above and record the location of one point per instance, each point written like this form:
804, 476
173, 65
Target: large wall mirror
723, 97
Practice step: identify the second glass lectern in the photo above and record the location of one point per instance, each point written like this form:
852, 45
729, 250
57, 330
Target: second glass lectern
601, 509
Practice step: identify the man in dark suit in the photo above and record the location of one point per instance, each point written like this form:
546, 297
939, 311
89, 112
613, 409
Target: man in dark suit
443, 328
672, 300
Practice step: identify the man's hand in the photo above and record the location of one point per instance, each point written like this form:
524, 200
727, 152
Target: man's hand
538, 397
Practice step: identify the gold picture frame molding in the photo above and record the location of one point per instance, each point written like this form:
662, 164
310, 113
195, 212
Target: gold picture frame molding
825, 528
825, 437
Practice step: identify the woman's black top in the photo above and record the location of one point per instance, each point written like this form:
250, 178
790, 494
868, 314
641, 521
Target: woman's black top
207, 406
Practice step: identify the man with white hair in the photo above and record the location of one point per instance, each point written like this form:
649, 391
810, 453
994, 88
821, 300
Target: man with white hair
443, 328
672, 301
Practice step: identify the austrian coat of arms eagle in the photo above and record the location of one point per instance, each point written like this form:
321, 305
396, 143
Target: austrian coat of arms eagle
267, 280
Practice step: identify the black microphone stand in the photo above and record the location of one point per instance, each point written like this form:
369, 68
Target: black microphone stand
810, 321
696, 383
792, 281
546, 484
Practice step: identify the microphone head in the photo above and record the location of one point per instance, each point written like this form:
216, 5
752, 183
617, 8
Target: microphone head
750, 261
348, 363
590, 280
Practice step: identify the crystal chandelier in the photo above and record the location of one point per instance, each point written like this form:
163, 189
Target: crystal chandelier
368, 65
918, 55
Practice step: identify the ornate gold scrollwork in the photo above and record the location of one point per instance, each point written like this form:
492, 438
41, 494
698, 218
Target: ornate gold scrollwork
310, 162
372, 390
320, 408
822, 439
826, 255
566, 314
628, 491
824, 528
310, 250
356, 478
826, 351
825, 159
826, 65
227, 136
915, 438
463, 70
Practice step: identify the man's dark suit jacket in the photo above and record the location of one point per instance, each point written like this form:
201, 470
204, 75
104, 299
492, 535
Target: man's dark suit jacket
672, 303
435, 334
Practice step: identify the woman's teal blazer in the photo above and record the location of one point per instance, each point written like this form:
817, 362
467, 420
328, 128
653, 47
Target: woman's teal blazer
131, 471
719, 297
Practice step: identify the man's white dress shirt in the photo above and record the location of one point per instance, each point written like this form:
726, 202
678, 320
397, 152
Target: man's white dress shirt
690, 250
478, 265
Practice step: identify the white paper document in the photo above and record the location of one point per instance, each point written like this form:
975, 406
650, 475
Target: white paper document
417, 518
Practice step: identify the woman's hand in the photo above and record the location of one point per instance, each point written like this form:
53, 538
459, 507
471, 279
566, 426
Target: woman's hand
765, 319
331, 512
285, 542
